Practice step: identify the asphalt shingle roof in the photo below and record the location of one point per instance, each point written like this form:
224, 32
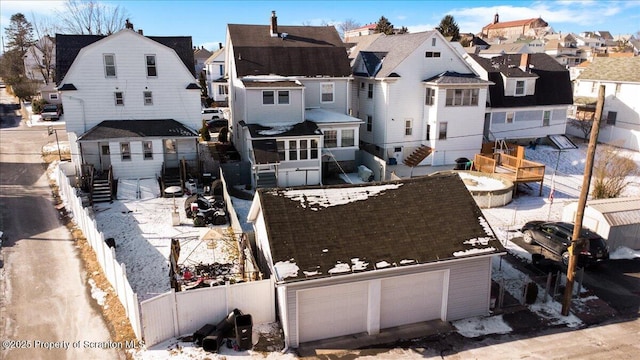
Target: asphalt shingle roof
116, 129
553, 85
305, 51
613, 69
374, 225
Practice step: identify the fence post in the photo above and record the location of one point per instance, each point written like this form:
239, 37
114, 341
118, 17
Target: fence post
123, 267
174, 309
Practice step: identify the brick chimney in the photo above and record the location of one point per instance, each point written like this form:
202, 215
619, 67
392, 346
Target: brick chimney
128, 25
274, 24
140, 32
524, 62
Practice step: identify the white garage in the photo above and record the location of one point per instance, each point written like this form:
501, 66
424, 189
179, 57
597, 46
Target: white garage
331, 311
412, 298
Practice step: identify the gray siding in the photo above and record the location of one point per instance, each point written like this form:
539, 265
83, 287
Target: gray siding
468, 292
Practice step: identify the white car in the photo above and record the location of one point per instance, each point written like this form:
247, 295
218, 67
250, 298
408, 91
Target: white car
212, 114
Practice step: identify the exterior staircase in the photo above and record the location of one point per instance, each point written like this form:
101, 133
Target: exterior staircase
101, 190
417, 156
267, 180
171, 177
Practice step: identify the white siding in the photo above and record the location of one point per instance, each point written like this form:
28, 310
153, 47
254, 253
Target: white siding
527, 122
257, 113
94, 101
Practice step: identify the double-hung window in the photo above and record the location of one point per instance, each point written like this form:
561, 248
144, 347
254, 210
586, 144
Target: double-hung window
430, 98
147, 147
546, 117
370, 91
148, 97
347, 138
520, 87
327, 92
293, 151
442, 131
283, 97
109, 65
268, 97
151, 65
462, 97
125, 150
408, 128
119, 97
369, 123
330, 138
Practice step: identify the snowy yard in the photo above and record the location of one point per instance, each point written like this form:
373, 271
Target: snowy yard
143, 229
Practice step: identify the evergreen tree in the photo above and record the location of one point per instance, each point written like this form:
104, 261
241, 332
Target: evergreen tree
19, 33
384, 26
448, 27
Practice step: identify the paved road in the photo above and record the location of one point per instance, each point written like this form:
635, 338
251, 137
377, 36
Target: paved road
44, 296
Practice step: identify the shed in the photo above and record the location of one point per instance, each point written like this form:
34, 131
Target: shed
617, 220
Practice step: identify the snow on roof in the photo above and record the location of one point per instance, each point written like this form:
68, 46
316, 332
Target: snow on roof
285, 269
326, 116
317, 199
473, 251
276, 130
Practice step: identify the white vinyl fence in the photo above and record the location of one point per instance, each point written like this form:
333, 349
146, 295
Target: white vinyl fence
115, 272
180, 313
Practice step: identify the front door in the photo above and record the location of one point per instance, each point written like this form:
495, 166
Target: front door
105, 156
170, 154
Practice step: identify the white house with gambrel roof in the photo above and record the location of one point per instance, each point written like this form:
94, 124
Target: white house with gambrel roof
416, 92
131, 102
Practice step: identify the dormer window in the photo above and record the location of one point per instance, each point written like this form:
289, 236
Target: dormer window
520, 88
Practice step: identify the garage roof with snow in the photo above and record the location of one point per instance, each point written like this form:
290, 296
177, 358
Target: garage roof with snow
326, 231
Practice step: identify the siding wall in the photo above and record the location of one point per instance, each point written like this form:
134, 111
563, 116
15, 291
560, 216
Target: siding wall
468, 292
94, 100
257, 113
527, 122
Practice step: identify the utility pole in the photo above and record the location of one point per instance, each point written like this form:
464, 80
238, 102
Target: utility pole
576, 242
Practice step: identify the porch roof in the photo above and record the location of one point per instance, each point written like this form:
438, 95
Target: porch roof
305, 128
330, 117
116, 129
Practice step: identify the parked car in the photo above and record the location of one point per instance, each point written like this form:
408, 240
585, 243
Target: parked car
217, 124
556, 237
50, 112
212, 114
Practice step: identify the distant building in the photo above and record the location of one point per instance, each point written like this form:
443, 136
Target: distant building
514, 29
361, 31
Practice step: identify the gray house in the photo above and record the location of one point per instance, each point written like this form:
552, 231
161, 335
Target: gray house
351, 259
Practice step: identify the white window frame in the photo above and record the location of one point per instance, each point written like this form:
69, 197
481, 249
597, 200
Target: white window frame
369, 123
151, 67
118, 97
223, 89
125, 151
509, 116
343, 136
148, 97
53, 96
273, 97
324, 87
462, 97
107, 66
408, 127
546, 117
370, 91
520, 90
442, 131
326, 133
147, 149
430, 97
288, 95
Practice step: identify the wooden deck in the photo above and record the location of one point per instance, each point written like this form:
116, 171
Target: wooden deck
509, 167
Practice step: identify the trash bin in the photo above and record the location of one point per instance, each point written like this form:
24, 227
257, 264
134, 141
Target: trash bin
203, 332
462, 164
244, 328
212, 343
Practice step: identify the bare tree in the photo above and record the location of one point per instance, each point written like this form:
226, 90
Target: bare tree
92, 18
348, 24
43, 52
611, 171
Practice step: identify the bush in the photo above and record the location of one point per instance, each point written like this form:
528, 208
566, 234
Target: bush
37, 105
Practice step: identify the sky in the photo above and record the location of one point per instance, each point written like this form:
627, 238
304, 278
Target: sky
205, 21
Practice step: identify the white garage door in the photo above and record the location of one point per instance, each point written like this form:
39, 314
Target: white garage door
411, 298
332, 311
